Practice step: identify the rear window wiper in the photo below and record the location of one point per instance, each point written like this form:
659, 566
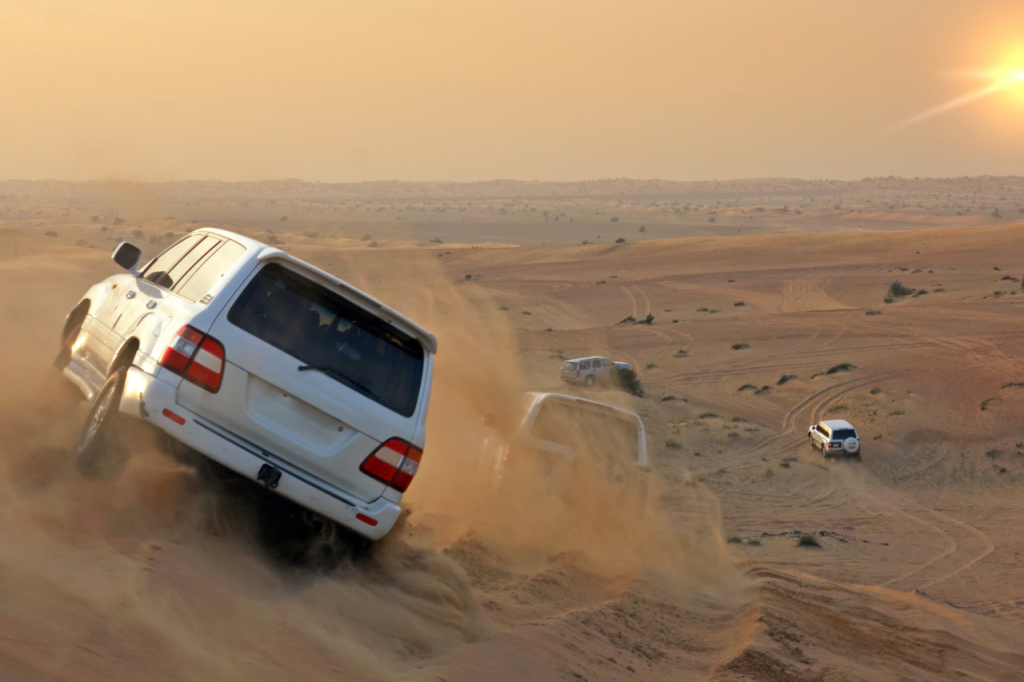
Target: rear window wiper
348, 381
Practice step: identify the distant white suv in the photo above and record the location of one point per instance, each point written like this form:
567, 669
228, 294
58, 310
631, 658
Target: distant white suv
261, 362
834, 436
554, 433
588, 371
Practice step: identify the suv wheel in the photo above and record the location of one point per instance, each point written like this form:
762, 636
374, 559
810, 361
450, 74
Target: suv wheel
589, 380
824, 449
99, 452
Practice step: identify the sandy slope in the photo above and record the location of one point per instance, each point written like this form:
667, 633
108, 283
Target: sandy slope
917, 577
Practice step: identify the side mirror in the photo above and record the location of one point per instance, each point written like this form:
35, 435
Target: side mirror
127, 256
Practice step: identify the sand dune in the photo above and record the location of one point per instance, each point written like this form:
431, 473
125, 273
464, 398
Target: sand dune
917, 576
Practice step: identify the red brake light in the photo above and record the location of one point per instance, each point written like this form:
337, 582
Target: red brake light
394, 463
196, 357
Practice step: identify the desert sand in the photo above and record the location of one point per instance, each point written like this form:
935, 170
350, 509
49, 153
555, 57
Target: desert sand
917, 574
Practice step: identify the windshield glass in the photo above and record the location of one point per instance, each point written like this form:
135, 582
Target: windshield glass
596, 433
569, 366
324, 330
843, 434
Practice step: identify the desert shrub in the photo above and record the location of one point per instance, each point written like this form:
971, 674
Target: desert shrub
365, 238
897, 289
876, 391
733, 434
992, 454
714, 310
836, 408
808, 541
984, 403
740, 346
1013, 384
628, 381
615, 219
372, 243
51, 233
785, 379
746, 387
920, 292
436, 240
137, 234
651, 365
647, 320
784, 464
504, 307
735, 540
738, 419
900, 413
755, 542
762, 390
311, 234
938, 291
738, 304
527, 312
709, 415
627, 320
873, 312
672, 445
620, 240
842, 367
702, 310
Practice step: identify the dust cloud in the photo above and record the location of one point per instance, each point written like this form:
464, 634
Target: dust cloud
160, 579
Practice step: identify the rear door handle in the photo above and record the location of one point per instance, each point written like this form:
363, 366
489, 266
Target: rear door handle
130, 294
151, 305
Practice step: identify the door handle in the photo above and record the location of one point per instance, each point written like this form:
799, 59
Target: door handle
130, 294
151, 305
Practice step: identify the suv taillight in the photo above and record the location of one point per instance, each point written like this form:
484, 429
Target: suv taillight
196, 357
394, 463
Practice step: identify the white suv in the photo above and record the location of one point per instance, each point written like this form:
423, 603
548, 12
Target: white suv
588, 371
261, 362
836, 435
553, 432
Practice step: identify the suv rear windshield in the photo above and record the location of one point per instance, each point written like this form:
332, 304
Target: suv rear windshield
843, 434
569, 366
328, 332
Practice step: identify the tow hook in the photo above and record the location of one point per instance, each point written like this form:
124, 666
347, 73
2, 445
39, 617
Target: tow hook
269, 476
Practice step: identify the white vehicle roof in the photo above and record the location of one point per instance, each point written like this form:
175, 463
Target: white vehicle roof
265, 252
589, 357
834, 424
538, 397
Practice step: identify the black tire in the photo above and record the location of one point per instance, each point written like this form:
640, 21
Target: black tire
64, 354
100, 451
824, 450
588, 381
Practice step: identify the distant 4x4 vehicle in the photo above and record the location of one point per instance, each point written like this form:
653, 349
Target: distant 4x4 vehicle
834, 436
588, 371
261, 362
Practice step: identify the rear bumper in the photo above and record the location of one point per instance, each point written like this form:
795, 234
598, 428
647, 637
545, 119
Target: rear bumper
146, 397
841, 451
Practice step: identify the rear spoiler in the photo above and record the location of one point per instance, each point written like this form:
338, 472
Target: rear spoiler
364, 300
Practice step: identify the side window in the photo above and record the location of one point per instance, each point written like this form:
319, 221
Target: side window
157, 272
199, 282
183, 268
585, 364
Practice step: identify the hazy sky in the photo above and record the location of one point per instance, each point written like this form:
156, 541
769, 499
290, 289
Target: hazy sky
341, 90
